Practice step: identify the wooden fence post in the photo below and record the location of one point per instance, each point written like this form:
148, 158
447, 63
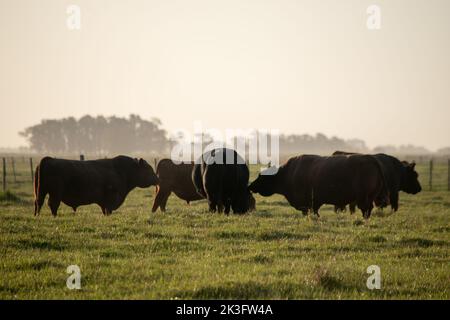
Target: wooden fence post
13, 165
448, 172
156, 162
31, 170
431, 175
81, 157
4, 175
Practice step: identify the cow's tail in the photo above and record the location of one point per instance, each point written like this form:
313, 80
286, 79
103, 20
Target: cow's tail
39, 189
382, 199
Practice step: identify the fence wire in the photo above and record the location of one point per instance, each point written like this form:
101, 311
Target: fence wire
18, 173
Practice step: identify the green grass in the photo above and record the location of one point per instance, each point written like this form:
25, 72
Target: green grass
187, 252
8, 197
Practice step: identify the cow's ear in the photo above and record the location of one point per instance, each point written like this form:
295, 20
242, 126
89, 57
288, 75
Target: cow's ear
412, 165
141, 161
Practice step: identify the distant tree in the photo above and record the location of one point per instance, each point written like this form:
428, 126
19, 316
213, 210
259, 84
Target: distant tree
319, 144
402, 150
444, 151
99, 136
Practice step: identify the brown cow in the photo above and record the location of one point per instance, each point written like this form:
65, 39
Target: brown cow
309, 181
174, 178
105, 182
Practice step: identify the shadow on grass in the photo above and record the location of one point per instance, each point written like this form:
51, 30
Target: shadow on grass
378, 239
274, 290
281, 235
39, 244
38, 265
245, 290
233, 235
422, 242
260, 258
8, 198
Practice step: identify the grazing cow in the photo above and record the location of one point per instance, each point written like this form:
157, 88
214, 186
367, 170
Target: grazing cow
309, 181
221, 176
174, 178
105, 182
400, 176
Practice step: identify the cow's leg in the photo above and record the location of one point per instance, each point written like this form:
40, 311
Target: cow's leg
369, 210
227, 206
162, 194
38, 203
53, 202
316, 207
164, 201
219, 198
394, 201
352, 207
365, 205
156, 201
106, 211
340, 208
215, 202
220, 207
212, 206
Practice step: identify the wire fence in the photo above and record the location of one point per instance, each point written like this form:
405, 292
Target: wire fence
18, 173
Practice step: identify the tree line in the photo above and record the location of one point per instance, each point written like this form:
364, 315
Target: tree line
106, 136
97, 135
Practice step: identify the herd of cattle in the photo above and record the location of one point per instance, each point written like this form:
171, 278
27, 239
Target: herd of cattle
222, 177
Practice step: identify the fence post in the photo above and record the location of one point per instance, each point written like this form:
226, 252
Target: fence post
4, 175
156, 162
31, 170
448, 172
13, 165
431, 175
81, 157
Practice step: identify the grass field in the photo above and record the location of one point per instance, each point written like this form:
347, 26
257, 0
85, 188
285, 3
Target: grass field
187, 252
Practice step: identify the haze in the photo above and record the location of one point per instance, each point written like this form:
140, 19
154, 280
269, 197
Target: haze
298, 66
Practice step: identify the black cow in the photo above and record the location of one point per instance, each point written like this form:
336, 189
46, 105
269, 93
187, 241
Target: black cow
309, 181
399, 175
105, 182
174, 178
221, 176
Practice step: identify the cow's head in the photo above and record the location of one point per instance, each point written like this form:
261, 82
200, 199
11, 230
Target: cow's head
265, 184
410, 181
145, 177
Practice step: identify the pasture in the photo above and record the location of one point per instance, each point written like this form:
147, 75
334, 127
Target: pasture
188, 253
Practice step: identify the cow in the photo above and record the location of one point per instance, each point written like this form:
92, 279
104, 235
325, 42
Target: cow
221, 176
105, 182
399, 175
309, 181
174, 178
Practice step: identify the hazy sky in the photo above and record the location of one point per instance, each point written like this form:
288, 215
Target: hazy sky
298, 66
